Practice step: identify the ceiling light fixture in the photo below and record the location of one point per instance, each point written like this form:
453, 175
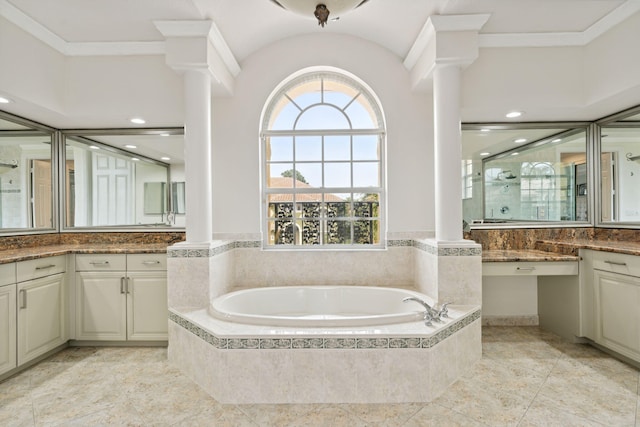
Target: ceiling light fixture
131, 146
485, 130
321, 9
520, 140
165, 158
557, 140
513, 114
4, 100
138, 121
514, 154
486, 153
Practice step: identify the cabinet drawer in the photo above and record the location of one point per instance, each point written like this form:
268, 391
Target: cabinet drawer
41, 267
617, 263
101, 262
7, 274
559, 268
145, 262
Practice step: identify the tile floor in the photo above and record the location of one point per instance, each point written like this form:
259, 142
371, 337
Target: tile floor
527, 377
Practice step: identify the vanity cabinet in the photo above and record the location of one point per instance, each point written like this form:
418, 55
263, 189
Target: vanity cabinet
41, 308
615, 302
8, 359
121, 297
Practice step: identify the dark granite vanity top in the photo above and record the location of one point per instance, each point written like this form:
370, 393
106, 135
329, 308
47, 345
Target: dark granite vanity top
528, 255
24, 254
23, 248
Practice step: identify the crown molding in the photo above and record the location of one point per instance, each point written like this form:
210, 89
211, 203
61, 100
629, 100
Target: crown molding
167, 28
554, 39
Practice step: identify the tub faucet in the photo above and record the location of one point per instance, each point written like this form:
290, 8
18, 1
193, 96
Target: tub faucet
429, 313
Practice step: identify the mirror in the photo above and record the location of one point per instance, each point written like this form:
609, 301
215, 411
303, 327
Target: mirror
27, 176
620, 173
527, 175
122, 178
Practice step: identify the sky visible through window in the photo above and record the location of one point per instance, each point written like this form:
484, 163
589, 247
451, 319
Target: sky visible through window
336, 151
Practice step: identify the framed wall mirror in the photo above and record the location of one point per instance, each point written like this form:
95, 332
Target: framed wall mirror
27, 177
525, 174
619, 167
122, 178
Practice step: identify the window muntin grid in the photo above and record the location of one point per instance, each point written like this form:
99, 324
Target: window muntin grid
323, 155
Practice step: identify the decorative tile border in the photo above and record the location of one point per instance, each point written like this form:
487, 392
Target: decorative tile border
258, 343
447, 251
244, 244
211, 252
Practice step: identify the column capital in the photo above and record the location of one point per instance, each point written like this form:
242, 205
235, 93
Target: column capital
199, 45
444, 40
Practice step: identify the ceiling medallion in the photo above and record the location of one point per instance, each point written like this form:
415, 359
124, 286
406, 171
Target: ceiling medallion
321, 8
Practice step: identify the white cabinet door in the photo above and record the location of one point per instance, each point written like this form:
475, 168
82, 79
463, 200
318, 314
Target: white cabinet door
618, 312
41, 316
147, 312
7, 328
101, 305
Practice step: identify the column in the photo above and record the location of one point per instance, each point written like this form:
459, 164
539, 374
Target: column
197, 136
448, 152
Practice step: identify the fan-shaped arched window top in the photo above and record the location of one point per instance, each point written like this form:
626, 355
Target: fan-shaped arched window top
323, 163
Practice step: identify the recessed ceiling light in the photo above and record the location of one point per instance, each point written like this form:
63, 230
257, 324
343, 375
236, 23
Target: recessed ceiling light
4, 100
131, 146
138, 121
135, 159
485, 153
165, 158
514, 114
557, 140
520, 140
514, 154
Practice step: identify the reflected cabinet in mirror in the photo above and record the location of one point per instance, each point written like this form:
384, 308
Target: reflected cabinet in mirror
535, 174
620, 171
27, 176
119, 180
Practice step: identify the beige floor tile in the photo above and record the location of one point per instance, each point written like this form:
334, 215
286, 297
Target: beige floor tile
16, 410
507, 378
434, 415
542, 413
387, 415
601, 402
276, 415
528, 377
329, 416
491, 407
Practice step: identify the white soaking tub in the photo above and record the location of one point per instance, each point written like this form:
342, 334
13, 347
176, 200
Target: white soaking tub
319, 306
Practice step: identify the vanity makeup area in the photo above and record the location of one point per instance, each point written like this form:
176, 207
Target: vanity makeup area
557, 213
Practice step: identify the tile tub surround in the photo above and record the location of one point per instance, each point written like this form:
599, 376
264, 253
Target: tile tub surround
197, 274
406, 362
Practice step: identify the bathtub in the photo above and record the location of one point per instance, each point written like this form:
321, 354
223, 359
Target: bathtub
318, 306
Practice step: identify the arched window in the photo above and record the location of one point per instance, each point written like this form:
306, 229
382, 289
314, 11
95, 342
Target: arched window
322, 144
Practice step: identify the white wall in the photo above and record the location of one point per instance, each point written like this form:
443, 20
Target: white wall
236, 121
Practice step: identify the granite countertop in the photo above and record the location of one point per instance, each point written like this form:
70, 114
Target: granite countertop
24, 254
529, 255
618, 246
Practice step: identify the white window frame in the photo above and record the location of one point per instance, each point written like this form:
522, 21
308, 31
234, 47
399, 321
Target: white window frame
266, 133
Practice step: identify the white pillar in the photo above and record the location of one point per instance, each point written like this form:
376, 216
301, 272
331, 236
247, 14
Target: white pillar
448, 152
197, 153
